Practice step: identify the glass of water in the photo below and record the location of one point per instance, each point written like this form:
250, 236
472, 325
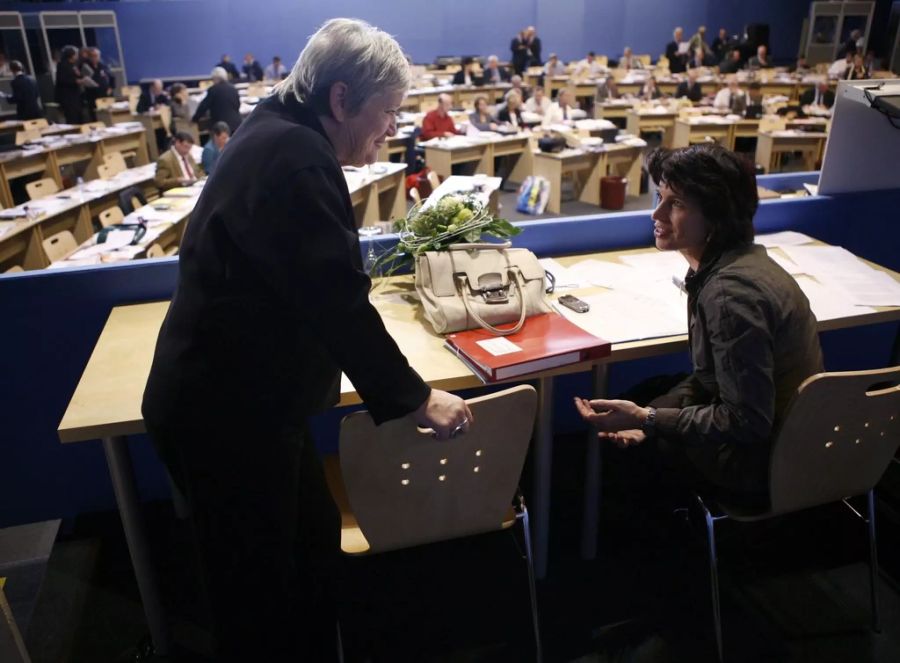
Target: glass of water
371, 256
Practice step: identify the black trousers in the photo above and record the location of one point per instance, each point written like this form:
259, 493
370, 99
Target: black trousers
268, 535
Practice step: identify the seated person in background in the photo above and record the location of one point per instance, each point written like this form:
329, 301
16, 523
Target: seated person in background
493, 73
731, 97
700, 58
175, 167
753, 336
230, 69
760, 60
560, 111
511, 114
252, 70
222, 102
732, 62
24, 94
606, 89
690, 88
152, 97
438, 123
629, 60
676, 54
554, 67
219, 133
179, 102
517, 87
481, 117
590, 67
820, 95
799, 67
853, 44
538, 103
839, 67
466, 75
649, 91
857, 70
275, 71
754, 107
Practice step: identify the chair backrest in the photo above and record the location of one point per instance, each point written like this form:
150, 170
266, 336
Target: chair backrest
14, 269
59, 245
128, 197
41, 188
88, 127
115, 161
407, 489
23, 137
165, 118
840, 433
433, 180
191, 127
111, 216
104, 172
204, 84
772, 123
155, 251
104, 102
38, 124
644, 59
414, 194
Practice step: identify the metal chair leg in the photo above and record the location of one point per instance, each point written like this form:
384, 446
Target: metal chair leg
713, 575
873, 562
522, 516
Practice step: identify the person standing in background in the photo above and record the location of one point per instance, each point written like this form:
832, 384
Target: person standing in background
69, 86
519, 48
222, 102
533, 47
677, 52
25, 93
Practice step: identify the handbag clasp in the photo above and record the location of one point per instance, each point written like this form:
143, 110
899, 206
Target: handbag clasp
492, 289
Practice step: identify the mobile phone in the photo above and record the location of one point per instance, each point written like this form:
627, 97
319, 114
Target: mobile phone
574, 303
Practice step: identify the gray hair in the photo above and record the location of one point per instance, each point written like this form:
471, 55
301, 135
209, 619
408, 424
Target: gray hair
351, 51
219, 73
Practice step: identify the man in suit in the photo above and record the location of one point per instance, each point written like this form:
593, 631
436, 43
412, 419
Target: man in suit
676, 54
222, 102
271, 305
152, 97
732, 62
720, 45
230, 68
690, 88
25, 93
532, 47
760, 60
252, 69
104, 81
519, 49
467, 75
494, 73
176, 167
820, 95
731, 97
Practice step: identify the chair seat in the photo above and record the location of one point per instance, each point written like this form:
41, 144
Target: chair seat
353, 541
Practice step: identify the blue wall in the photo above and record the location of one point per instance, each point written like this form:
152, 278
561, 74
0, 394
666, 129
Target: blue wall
52, 318
186, 37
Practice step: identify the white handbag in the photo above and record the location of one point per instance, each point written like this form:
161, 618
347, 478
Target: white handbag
480, 285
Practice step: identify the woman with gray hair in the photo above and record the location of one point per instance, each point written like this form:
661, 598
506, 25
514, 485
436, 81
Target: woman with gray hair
272, 303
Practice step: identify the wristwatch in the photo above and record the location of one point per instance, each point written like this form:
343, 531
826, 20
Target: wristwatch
649, 425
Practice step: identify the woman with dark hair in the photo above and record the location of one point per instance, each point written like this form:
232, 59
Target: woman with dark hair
68, 86
753, 338
481, 117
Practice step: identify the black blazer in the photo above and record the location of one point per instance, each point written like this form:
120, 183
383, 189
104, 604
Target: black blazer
223, 104
676, 60
253, 71
459, 78
503, 116
272, 302
693, 92
501, 71
26, 97
145, 102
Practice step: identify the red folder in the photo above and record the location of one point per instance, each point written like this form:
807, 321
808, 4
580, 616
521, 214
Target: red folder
546, 341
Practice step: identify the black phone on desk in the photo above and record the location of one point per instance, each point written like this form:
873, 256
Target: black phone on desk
577, 305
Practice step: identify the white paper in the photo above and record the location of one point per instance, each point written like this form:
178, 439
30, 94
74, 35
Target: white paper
784, 238
846, 276
499, 346
565, 278
619, 316
824, 304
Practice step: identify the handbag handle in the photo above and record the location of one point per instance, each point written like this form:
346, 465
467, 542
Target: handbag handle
474, 246
462, 281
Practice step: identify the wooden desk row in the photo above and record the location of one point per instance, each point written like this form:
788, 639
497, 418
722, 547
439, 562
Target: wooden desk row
378, 192
47, 160
21, 240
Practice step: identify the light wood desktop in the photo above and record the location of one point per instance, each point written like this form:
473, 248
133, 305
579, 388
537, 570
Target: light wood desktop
770, 146
441, 157
379, 194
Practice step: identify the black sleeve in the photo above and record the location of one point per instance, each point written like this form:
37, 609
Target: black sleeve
309, 253
202, 108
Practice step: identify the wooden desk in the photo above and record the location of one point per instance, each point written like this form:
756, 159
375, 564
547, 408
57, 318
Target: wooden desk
394, 145
443, 155
771, 145
21, 240
639, 122
107, 401
46, 161
691, 132
379, 194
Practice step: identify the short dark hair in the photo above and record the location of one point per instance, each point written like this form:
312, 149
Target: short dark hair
183, 137
15, 67
67, 52
220, 128
720, 182
591, 53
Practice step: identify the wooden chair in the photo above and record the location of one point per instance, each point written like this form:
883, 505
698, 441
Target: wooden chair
155, 251
203, 85
838, 437
191, 127
41, 188
105, 102
128, 90
433, 180
88, 127
172, 250
58, 246
104, 172
397, 487
165, 118
772, 123
115, 161
36, 124
111, 216
14, 269
644, 59
415, 196
23, 137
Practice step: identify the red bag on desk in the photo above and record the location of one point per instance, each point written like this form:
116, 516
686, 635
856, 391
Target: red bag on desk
419, 181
